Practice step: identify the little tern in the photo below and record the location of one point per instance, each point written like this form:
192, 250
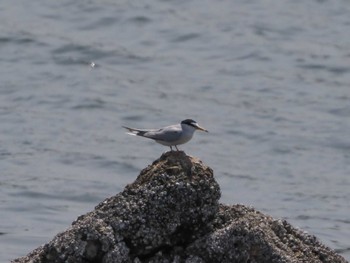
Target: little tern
172, 135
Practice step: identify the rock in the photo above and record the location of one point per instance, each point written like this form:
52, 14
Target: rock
171, 213
242, 234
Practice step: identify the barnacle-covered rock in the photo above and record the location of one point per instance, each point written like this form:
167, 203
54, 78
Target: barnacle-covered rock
243, 234
171, 213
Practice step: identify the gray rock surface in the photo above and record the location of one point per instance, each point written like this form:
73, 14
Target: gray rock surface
171, 213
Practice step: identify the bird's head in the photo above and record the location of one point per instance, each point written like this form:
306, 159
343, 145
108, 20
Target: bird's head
193, 124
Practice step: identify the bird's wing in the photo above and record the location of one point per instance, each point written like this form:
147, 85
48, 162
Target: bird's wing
167, 134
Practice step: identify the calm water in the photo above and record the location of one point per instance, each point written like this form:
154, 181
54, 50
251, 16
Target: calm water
270, 80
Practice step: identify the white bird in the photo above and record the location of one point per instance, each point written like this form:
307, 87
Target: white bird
172, 135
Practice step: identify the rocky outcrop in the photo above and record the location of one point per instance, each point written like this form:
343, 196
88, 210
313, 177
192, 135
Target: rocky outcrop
171, 213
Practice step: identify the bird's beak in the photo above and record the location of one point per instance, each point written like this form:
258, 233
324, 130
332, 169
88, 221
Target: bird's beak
201, 128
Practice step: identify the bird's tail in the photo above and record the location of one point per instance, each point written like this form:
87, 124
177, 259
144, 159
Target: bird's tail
135, 132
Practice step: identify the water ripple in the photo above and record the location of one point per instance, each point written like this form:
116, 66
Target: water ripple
338, 70
186, 37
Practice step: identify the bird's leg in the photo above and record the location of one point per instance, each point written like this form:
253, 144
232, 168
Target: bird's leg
171, 149
176, 148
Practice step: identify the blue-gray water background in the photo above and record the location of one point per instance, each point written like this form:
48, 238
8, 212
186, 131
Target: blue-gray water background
270, 80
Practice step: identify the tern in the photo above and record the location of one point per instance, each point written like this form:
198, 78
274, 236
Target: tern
172, 135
